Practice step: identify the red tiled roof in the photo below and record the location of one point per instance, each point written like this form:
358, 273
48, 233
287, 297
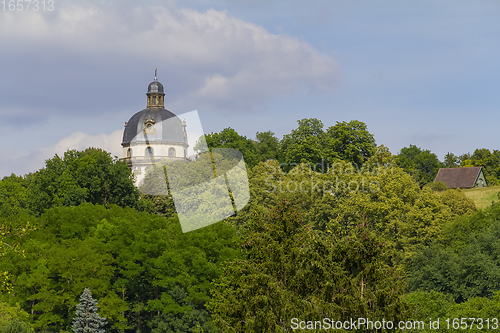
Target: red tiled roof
458, 177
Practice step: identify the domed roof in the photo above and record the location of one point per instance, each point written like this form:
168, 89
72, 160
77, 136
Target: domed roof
165, 126
155, 87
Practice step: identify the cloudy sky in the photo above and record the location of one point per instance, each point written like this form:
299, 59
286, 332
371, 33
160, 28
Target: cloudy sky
416, 72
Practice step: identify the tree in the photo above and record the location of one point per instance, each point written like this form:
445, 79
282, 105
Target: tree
293, 272
490, 163
13, 194
16, 326
421, 164
464, 260
451, 161
86, 318
11, 231
305, 144
82, 176
267, 146
229, 138
12, 316
458, 202
145, 271
351, 141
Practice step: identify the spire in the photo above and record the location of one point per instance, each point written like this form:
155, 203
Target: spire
155, 74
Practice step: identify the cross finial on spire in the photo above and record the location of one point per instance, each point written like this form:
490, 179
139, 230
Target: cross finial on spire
155, 73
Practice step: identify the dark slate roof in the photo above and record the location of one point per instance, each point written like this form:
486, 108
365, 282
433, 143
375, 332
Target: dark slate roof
167, 125
458, 177
155, 87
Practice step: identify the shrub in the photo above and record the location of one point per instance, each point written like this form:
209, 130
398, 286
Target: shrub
16, 326
437, 186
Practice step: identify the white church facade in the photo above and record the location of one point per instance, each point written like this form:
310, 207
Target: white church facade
153, 134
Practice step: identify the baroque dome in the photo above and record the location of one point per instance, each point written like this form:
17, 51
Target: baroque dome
154, 125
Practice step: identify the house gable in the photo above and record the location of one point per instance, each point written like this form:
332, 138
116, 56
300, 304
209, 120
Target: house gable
480, 180
466, 177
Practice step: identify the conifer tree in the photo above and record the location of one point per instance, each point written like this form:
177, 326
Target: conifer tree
87, 320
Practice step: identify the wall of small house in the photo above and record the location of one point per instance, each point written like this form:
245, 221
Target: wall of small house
481, 180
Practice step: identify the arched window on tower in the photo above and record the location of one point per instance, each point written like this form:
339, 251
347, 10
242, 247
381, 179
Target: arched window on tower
129, 152
149, 152
154, 100
171, 152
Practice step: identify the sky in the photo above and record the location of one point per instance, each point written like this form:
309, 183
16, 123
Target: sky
425, 73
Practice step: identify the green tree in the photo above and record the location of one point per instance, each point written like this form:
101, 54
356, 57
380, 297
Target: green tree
16, 326
451, 161
9, 313
229, 138
143, 269
305, 144
13, 194
268, 146
421, 164
467, 267
291, 272
81, 176
86, 319
490, 163
426, 305
351, 141
458, 202
12, 230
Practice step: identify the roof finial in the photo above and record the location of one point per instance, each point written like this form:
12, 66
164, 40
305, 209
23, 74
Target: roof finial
155, 73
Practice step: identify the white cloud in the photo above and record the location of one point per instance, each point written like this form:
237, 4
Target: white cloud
35, 160
209, 58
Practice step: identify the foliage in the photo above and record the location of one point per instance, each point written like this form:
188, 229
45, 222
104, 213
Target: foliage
477, 313
135, 263
438, 186
13, 194
383, 195
16, 326
305, 144
351, 141
291, 272
477, 307
458, 202
451, 161
11, 232
421, 164
86, 319
229, 138
268, 146
382, 156
468, 267
309, 143
425, 305
490, 161
10, 313
81, 176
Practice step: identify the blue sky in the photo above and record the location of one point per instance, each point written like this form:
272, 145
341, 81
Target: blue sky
416, 72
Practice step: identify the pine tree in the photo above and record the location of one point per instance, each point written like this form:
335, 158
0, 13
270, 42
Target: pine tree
87, 320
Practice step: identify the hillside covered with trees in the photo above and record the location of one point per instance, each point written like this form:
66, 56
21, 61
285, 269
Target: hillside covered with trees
336, 227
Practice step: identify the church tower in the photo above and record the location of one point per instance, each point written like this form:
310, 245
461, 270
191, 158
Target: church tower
153, 134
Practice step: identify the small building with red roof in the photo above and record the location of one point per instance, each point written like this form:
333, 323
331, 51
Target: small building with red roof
467, 177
